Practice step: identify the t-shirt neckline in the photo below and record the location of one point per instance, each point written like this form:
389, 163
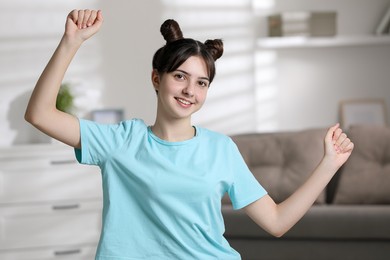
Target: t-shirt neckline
168, 143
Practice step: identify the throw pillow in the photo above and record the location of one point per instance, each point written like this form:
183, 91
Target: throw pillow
365, 177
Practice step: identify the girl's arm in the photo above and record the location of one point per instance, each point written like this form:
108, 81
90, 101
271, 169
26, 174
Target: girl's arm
41, 110
277, 219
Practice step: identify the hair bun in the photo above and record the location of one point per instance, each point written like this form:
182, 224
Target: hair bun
171, 31
215, 47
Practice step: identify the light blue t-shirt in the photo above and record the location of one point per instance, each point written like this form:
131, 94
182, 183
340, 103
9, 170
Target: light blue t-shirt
162, 200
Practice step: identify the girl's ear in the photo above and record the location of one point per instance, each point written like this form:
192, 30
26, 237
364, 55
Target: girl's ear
155, 79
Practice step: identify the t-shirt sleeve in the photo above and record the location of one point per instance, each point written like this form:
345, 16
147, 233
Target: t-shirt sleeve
98, 141
245, 188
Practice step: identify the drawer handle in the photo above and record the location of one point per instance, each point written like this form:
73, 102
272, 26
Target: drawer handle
65, 207
62, 162
67, 252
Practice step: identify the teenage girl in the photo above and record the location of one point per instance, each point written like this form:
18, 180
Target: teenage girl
163, 184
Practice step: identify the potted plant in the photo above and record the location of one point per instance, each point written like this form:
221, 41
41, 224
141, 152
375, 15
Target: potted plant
65, 99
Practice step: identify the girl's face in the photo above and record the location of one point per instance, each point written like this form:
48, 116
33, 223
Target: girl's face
183, 91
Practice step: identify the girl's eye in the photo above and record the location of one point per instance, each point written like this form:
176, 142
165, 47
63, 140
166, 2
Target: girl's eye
179, 76
203, 84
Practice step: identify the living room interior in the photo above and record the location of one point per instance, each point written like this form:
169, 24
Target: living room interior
263, 85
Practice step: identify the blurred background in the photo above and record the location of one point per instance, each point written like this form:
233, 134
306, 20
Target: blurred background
291, 72
261, 85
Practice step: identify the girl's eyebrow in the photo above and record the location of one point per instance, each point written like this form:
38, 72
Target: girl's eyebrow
188, 74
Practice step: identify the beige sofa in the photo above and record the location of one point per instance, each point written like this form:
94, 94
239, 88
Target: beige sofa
350, 219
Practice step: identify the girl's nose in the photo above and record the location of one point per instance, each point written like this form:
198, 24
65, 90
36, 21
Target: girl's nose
189, 90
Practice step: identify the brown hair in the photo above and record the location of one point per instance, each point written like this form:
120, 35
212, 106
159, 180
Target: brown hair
178, 49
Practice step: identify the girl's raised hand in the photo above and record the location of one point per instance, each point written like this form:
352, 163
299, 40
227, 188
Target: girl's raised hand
82, 24
338, 147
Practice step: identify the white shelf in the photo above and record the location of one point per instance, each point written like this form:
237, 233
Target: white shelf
306, 42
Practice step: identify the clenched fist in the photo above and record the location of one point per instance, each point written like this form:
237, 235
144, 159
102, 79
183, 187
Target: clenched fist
82, 24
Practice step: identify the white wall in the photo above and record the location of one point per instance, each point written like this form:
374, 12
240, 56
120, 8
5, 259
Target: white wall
309, 83
29, 34
312, 83
129, 38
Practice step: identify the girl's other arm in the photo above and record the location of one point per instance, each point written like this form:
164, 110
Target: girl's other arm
277, 219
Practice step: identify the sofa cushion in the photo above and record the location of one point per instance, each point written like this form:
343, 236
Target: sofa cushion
365, 178
281, 162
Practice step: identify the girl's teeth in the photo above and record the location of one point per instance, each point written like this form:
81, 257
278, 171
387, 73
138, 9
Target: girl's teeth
183, 101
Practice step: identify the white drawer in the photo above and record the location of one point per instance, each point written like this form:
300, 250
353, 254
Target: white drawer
64, 180
76, 252
49, 225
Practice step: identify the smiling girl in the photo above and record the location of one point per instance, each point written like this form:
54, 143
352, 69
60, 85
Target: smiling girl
163, 184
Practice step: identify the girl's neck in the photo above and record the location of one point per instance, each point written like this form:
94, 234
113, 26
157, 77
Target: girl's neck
175, 131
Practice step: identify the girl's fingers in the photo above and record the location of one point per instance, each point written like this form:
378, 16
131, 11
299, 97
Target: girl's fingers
341, 139
84, 22
85, 18
74, 16
349, 147
87, 15
337, 134
92, 18
100, 16
343, 144
80, 19
330, 134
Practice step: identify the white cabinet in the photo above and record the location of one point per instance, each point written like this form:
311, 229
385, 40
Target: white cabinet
50, 206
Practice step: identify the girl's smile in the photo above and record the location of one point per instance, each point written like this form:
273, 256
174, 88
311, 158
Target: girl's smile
184, 103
